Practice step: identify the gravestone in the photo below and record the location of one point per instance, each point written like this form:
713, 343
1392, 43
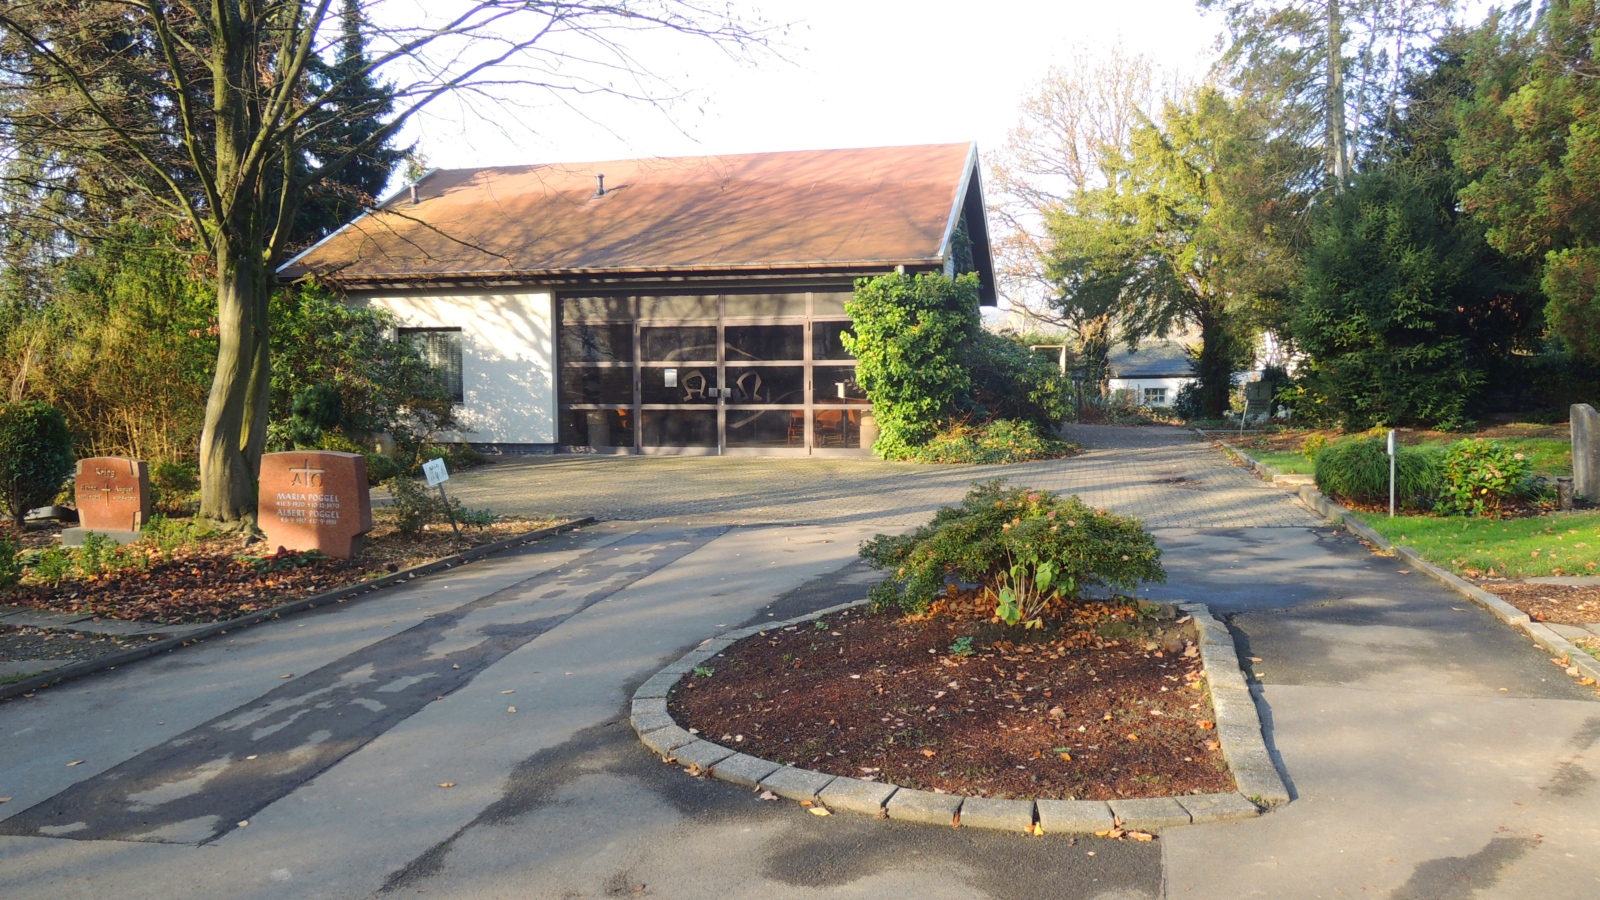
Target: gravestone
315, 500
113, 497
1586, 452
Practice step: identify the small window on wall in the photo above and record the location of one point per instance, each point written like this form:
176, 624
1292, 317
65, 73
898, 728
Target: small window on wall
441, 349
1155, 396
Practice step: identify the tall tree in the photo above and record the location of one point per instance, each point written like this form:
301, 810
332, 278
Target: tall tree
1530, 141
208, 109
1333, 70
1178, 236
1083, 112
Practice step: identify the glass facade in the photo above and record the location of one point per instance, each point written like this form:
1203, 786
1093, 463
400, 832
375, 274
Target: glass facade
755, 372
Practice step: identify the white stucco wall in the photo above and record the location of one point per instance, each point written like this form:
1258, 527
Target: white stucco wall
507, 359
1137, 385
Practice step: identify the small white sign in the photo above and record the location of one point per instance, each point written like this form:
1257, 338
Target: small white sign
672, 377
435, 472
1391, 442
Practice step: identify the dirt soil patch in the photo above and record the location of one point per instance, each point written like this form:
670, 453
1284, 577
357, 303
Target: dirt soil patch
221, 579
1095, 710
25, 642
1563, 604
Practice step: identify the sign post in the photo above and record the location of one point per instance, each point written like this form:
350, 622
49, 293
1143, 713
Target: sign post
1393, 456
436, 473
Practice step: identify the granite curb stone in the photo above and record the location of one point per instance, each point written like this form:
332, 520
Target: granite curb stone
743, 770
1242, 728
1152, 814
791, 783
666, 740
1218, 807
1074, 816
855, 795
701, 753
1000, 815
911, 805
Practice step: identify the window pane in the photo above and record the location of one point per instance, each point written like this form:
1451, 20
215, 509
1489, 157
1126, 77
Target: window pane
575, 308
679, 427
836, 384
829, 304
674, 344
767, 428
825, 343
837, 428
597, 427
609, 342
440, 348
763, 305
681, 307
582, 384
691, 385
765, 343
766, 384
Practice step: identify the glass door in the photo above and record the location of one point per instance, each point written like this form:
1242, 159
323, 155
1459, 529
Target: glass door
680, 386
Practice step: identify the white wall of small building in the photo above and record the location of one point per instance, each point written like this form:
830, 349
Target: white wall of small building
1138, 386
508, 355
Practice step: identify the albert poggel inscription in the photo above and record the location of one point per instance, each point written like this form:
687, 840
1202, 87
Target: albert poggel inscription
315, 500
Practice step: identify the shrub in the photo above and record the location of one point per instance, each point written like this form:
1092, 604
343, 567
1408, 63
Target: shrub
996, 529
382, 468
414, 505
1010, 381
174, 484
167, 534
10, 559
910, 336
1000, 441
1357, 470
1479, 476
35, 456
1312, 445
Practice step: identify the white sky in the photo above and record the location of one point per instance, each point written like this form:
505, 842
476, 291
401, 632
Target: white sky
854, 73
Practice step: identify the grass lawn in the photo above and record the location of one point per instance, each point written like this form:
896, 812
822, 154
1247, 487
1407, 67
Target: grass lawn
1285, 461
1555, 544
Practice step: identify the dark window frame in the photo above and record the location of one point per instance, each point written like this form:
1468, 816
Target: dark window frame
448, 365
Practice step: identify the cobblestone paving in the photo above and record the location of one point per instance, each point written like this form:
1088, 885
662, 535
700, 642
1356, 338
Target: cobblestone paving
1165, 476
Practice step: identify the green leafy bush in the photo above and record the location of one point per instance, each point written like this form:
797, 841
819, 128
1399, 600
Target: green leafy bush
1357, 471
997, 528
414, 505
99, 555
1312, 445
999, 441
35, 456
1479, 476
168, 535
174, 484
10, 558
381, 469
1010, 381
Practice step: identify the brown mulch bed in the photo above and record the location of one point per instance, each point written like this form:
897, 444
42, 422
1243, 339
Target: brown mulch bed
1071, 713
1563, 604
215, 580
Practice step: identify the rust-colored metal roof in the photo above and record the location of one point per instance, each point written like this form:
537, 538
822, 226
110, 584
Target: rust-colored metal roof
803, 209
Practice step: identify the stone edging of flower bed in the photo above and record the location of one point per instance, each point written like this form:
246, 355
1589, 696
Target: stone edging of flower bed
1238, 729
337, 595
1338, 515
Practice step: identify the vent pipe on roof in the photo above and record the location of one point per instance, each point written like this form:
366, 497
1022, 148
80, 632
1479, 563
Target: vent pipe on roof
414, 200
599, 186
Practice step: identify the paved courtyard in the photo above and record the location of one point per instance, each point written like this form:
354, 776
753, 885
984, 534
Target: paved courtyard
1165, 476
466, 736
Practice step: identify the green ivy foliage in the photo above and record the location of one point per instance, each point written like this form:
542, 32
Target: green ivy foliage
998, 527
909, 334
938, 379
1480, 476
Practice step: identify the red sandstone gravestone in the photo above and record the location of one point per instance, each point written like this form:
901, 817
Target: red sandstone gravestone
113, 494
315, 500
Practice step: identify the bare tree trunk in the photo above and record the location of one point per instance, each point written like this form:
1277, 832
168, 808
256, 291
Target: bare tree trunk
1338, 150
227, 479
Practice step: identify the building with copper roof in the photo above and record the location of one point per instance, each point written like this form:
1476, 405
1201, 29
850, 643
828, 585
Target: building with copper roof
687, 305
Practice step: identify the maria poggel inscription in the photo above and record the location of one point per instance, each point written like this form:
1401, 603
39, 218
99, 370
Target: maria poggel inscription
315, 500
